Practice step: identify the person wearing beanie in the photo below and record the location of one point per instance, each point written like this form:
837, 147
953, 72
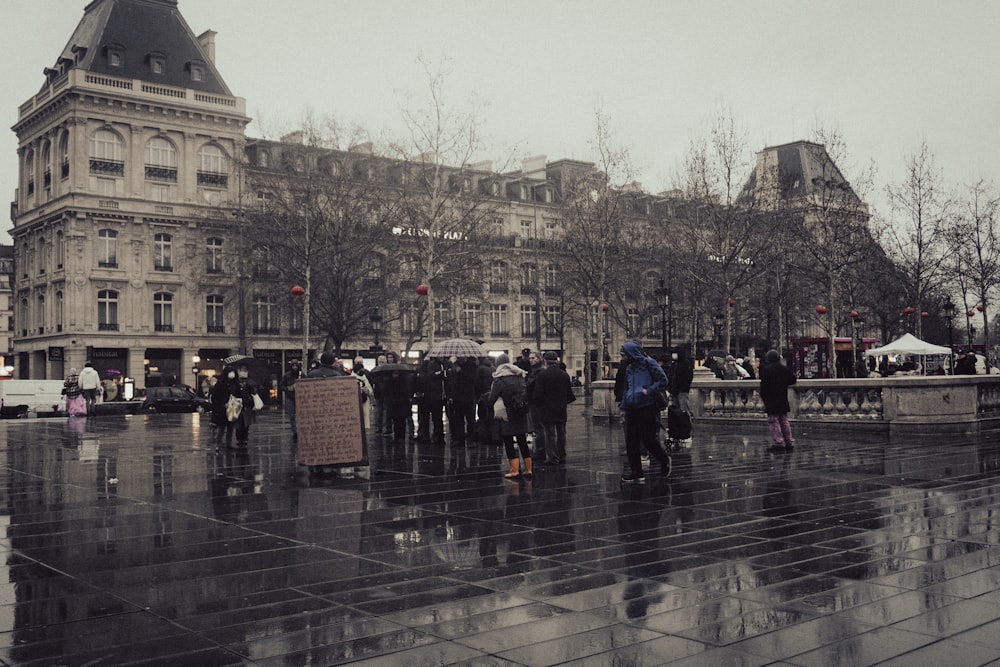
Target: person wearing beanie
76, 406
508, 396
775, 379
552, 393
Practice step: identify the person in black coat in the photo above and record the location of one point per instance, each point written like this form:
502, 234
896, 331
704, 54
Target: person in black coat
775, 379
552, 392
680, 376
461, 391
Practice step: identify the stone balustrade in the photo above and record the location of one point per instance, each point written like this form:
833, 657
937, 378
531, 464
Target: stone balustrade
899, 405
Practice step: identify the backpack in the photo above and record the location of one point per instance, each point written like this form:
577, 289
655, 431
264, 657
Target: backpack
516, 405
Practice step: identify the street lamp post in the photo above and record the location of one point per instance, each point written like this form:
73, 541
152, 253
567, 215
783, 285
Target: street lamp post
719, 317
949, 313
195, 360
664, 295
376, 320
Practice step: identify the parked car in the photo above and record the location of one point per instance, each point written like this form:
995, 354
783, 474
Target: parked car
173, 399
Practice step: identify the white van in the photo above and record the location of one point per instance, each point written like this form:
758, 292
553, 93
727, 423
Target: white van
41, 396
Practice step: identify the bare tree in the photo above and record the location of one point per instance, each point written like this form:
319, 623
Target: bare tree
832, 231
443, 201
974, 246
319, 222
720, 236
915, 239
607, 237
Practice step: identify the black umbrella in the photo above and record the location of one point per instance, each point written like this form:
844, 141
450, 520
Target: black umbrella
393, 368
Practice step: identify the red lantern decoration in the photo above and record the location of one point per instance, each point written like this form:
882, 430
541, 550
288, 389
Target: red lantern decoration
924, 313
979, 307
909, 310
970, 314
422, 290
604, 307
855, 314
821, 309
732, 302
298, 290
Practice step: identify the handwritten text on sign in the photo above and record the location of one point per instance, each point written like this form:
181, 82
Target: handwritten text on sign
328, 416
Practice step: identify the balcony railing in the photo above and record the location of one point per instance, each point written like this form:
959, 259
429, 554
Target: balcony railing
107, 326
163, 327
107, 167
213, 179
216, 328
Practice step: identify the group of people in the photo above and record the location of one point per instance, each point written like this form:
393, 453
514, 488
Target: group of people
235, 399
486, 401
81, 390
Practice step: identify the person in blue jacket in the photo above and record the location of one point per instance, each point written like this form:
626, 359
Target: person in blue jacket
643, 379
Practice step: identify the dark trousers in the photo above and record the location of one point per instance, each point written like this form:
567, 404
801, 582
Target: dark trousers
430, 413
641, 429
462, 420
555, 441
522, 444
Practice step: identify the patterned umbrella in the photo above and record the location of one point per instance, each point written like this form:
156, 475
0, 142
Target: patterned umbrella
233, 358
457, 347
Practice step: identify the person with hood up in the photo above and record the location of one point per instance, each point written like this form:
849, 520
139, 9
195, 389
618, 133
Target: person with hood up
643, 379
508, 396
775, 379
681, 375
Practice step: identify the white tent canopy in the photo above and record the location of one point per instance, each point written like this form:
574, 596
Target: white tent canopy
908, 344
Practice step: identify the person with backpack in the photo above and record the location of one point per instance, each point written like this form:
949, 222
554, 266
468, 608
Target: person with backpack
508, 396
643, 379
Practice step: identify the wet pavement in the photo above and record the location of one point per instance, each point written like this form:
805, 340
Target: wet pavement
128, 540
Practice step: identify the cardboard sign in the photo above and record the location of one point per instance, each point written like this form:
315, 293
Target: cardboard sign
330, 422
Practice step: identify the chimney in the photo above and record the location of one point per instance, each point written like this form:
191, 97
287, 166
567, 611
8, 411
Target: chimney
533, 167
207, 41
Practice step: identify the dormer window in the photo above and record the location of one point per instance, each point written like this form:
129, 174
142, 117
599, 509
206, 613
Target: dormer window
157, 63
115, 54
196, 68
78, 53
524, 193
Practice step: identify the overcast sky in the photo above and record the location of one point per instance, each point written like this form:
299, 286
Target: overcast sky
886, 75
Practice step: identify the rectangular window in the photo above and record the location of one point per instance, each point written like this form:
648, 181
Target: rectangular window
213, 256
163, 312
633, 323
214, 314
106, 187
107, 310
552, 320
442, 318
264, 314
498, 320
529, 320
162, 252
472, 319
410, 320
159, 192
107, 248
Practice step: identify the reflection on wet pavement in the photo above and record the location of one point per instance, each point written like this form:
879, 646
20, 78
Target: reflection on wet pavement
130, 540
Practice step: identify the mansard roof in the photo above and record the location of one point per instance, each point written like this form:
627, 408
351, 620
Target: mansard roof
796, 171
138, 31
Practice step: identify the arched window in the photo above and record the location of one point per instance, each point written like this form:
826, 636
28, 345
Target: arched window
47, 169
162, 252
163, 311
29, 173
107, 310
40, 314
212, 166
161, 160
24, 317
106, 153
214, 310
107, 248
64, 155
59, 311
